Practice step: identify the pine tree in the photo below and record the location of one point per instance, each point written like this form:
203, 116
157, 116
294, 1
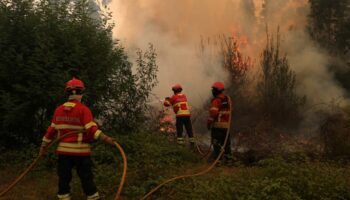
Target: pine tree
276, 90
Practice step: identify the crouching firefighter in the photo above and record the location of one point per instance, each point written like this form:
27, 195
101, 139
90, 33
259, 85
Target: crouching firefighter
183, 115
74, 150
219, 122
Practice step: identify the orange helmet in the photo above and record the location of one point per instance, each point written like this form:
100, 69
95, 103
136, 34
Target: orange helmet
176, 87
75, 84
219, 86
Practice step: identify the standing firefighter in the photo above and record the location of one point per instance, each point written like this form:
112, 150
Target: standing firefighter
74, 119
183, 115
219, 121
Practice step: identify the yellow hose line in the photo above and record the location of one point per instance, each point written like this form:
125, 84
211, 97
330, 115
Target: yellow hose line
201, 172
122, 180
203, 154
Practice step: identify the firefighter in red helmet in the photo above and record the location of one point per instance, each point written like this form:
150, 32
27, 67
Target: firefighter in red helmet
219, 121
183, 115
74, 150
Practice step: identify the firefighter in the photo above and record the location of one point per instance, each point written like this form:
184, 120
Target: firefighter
183, 115
219, 122
74, 150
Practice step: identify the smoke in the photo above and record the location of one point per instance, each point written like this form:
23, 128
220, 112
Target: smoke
175, 27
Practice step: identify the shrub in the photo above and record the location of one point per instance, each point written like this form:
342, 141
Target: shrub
335, 133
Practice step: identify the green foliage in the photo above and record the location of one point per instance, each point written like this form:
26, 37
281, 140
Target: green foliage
151, 158
125, 103
18, 158
276, 89
273, 179
42, 43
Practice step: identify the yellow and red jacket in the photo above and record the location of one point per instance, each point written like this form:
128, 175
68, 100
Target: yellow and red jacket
73, 116
219, 112
179, 103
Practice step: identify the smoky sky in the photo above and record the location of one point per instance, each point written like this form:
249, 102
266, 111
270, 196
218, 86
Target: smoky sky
175, 28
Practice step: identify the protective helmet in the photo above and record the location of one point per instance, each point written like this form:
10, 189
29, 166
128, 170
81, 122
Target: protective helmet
74, 84
218, 86
176, 87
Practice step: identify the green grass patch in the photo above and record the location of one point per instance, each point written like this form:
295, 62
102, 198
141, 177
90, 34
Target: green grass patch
153, 158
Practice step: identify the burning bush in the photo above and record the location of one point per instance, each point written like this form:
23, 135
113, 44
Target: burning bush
160, 120
167, 122
265, 141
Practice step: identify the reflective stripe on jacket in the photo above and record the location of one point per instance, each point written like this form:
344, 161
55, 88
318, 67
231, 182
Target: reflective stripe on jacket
219, 112
73, 116
179, 103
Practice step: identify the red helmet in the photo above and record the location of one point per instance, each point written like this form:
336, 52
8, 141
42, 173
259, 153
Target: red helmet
219, 86
75, 84
176, 87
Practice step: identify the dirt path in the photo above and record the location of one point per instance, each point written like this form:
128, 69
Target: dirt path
35, 186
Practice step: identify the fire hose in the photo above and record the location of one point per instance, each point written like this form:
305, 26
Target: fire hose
201, 172
200, 150
30, 167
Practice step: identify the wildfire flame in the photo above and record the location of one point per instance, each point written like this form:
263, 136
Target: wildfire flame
234, 60
167, 123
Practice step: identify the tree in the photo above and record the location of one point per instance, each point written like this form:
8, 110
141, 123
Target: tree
41, 43
276, 90
234, 62
329, 24
125, 102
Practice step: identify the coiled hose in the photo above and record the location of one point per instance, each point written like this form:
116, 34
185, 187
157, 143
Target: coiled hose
201, 172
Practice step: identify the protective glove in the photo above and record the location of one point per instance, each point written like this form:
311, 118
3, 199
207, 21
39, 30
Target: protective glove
167, 101
43, 151
108, 140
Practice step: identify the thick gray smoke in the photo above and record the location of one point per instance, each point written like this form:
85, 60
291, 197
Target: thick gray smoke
176, 26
